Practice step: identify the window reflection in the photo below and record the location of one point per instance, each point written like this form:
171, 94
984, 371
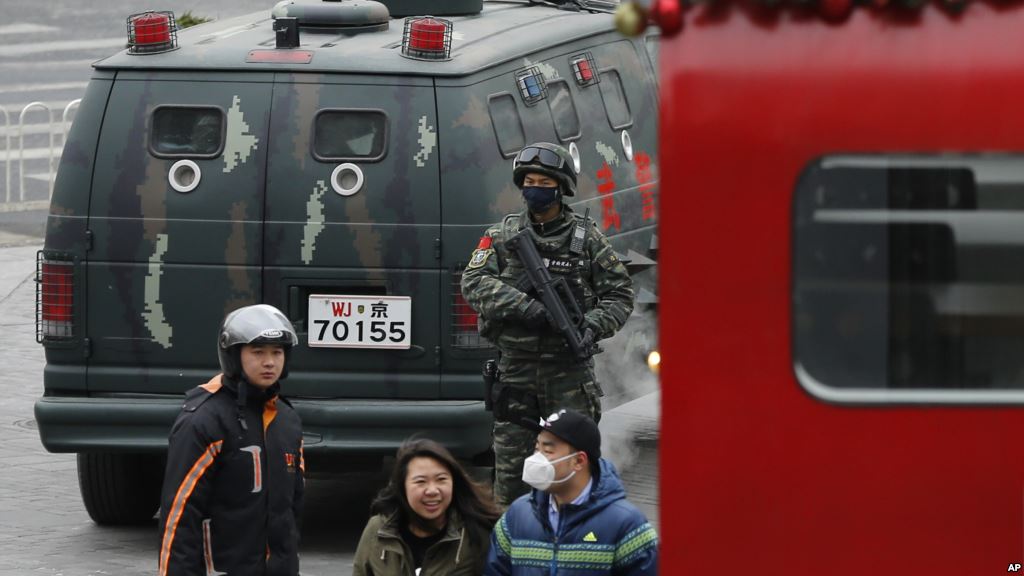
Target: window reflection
350, 134
908, 272
180, 131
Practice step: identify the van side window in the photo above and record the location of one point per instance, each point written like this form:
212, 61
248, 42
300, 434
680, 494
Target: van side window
615, 103
350, 135
187, 131
563, 110
651, 43
907, 276
508, 126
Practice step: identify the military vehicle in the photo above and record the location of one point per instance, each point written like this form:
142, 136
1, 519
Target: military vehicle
338, 160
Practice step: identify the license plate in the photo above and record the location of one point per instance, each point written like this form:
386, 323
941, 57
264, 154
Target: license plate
360, 321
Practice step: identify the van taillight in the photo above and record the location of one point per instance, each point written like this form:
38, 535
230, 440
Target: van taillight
464, 318
55, 298
463, 315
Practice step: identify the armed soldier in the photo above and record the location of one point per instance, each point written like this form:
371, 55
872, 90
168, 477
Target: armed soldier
545, 323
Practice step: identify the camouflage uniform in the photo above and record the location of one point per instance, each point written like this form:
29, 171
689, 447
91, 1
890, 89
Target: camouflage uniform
538, 373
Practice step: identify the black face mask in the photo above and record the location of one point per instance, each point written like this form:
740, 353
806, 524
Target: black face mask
539, 199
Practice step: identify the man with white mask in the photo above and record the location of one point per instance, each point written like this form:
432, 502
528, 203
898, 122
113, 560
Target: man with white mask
576, 520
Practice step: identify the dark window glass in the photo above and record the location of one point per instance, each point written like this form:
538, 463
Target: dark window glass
508, 127
909, 273
563, 110
188, 131
614, 97
350, 134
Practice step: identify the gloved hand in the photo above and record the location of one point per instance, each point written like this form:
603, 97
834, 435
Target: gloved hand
536, 315
587, 343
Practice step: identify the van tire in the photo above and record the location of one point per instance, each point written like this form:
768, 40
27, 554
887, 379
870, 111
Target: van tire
120, 489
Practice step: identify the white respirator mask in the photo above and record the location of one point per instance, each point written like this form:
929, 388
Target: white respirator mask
539, 472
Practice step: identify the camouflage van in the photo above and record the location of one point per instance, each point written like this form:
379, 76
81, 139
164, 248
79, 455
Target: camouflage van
338, 160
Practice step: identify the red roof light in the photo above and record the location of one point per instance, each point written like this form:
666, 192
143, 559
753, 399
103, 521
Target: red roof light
584, 69
152, 32
427, 38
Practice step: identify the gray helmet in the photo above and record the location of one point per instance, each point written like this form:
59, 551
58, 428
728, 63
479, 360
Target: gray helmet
548, 159
256, 324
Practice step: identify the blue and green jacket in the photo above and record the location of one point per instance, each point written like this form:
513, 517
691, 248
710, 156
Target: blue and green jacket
604, 535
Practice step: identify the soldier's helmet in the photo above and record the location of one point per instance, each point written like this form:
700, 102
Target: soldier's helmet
257, 324
548, 159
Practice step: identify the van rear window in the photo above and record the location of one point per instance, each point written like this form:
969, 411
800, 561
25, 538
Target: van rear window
350, 135
187, 131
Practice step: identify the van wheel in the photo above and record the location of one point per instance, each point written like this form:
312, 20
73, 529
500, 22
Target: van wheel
120, 489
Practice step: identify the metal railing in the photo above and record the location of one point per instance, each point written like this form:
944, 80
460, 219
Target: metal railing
34, 158
7, 153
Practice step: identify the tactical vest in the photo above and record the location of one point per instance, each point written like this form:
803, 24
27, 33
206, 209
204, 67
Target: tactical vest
566, 255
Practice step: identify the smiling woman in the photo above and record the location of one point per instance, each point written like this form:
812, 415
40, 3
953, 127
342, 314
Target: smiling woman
428, 491
431, 517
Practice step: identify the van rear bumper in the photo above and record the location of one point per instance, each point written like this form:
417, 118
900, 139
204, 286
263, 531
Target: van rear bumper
330, 427
378, 427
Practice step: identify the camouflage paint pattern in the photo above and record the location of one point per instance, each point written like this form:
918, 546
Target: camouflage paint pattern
165, 266
153, 313
240, 142
427, 142
314, 221
379, 240
159, 269
607, 153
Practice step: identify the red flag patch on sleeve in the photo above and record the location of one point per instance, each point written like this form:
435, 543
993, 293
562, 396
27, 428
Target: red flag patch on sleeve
485, 243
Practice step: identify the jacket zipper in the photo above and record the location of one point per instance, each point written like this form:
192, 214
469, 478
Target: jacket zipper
554, 542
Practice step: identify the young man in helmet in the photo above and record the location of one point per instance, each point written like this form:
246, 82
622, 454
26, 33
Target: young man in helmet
578, 508
233, 488
537, 371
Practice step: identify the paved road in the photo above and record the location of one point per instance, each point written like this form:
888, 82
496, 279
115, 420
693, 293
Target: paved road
44, 528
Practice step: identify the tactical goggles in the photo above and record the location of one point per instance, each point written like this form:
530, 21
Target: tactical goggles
543, 156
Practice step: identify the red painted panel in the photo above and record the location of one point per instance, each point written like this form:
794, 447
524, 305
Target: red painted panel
758, 476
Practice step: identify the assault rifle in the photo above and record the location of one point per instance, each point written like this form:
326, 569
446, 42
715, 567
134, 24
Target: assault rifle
554, 294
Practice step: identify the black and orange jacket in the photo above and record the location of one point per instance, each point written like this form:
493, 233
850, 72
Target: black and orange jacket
232, 497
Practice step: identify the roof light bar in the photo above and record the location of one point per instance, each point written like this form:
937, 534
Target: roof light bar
584, 69
532, 85
152, 33
427, 38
